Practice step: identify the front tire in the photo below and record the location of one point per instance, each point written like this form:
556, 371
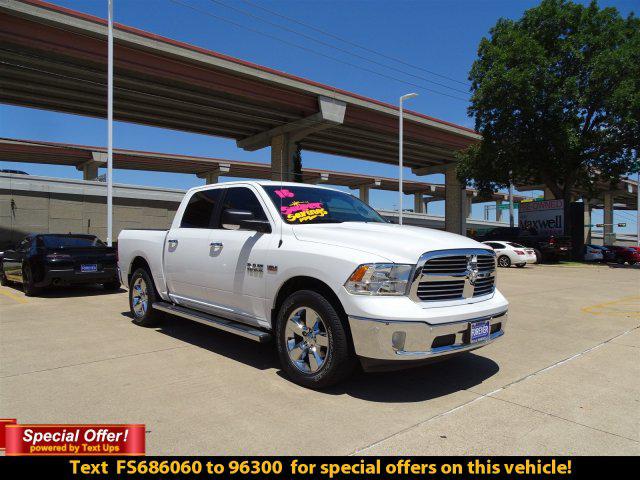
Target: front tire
312, 341
504, 261
142, 295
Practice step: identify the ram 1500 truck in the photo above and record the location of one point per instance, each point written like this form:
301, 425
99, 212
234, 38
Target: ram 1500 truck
318, 271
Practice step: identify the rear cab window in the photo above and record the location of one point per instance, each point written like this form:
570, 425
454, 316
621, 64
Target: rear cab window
202, 208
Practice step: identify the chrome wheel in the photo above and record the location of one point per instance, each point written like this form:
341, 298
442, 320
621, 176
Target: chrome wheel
306, 339
504, 261
140, 297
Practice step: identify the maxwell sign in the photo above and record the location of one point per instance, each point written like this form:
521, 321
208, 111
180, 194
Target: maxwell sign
545, 216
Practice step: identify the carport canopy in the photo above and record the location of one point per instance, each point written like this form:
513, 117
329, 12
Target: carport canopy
55, 58
89, 158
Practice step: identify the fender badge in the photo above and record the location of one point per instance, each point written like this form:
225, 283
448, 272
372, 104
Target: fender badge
272, 268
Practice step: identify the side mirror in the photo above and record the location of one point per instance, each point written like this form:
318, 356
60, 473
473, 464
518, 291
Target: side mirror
244, 219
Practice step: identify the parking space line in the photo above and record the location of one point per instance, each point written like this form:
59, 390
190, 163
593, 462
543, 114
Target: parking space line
13, 296
616, 308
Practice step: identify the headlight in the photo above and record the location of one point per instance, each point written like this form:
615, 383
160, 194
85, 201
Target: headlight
379, 279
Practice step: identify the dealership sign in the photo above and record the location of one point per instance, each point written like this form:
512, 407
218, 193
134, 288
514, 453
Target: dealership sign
546, 216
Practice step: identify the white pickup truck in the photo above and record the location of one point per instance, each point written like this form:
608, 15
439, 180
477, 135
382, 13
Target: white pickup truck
319, 271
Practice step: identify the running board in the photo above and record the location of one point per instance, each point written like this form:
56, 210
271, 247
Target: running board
220, 323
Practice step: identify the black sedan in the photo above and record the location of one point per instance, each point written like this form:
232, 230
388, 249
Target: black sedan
39, 261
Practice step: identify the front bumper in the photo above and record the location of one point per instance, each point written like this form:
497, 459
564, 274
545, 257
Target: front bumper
401, 341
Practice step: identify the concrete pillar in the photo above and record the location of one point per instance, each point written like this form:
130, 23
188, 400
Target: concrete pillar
548, 194
418, 203
469, 206
587, 220
89, 168
363, 193
322, 178
282, 152
454, 205
210, 177
90, 171
609, 237
213, 175
498, 211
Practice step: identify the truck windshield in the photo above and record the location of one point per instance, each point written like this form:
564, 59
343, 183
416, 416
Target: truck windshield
301, 205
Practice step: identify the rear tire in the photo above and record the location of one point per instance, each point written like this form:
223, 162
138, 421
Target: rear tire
313, 341
28, 284
504, 261
538, 255
142, 295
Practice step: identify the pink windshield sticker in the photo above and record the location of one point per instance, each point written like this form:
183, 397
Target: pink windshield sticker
284, 193
303, 211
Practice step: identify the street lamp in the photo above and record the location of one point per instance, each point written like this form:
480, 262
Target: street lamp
110, 125
400, 120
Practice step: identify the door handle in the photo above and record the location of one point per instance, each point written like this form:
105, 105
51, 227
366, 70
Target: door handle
172, 243
216, 244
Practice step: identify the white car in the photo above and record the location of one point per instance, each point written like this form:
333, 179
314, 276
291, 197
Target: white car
593, 254
510, 253
319, 272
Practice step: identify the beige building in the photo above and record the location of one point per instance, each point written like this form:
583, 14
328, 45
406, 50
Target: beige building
30, 204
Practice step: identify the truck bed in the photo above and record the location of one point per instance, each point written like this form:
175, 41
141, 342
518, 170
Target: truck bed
147, 244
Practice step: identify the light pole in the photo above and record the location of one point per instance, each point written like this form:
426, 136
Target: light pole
511, 212
110, 126
400, 120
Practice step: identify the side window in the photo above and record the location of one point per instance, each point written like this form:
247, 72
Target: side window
201, 208
242, 198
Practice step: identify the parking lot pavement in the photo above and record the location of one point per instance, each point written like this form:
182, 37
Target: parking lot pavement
565, 379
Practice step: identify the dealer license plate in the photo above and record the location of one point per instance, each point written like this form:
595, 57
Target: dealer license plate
89, 268
480, 331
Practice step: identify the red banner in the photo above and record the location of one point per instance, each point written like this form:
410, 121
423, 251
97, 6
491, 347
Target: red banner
75, 439
3, 423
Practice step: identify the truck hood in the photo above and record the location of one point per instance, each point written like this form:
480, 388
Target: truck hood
396, 243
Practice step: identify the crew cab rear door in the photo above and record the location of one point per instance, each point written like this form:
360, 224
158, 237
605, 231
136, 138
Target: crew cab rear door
187, 251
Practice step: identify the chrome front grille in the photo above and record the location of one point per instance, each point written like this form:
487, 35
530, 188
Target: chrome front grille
454, 275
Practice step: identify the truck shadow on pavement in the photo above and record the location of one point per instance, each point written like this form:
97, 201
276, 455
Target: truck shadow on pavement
256, 355
417, 384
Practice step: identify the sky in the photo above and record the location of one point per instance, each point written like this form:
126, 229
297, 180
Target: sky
438, 36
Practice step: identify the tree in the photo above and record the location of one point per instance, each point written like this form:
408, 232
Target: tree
556, 97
